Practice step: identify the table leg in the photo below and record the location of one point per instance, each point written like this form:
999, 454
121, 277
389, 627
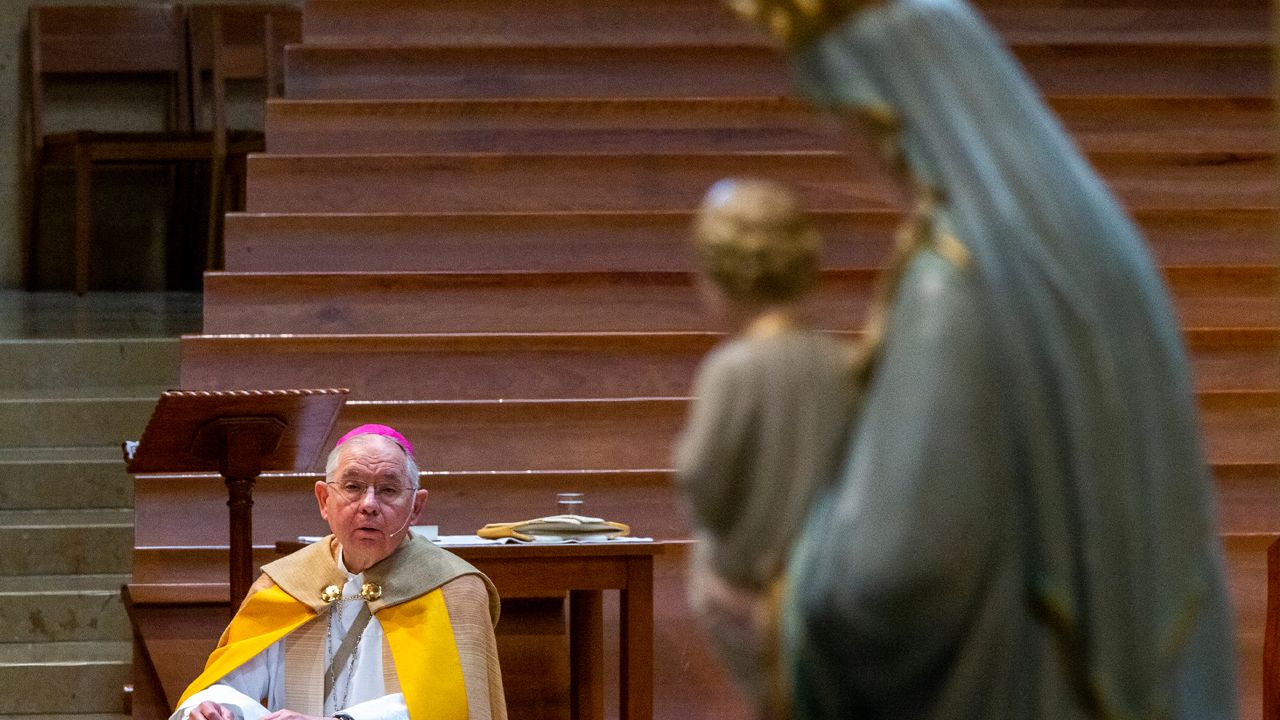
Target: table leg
635, 678
586, 655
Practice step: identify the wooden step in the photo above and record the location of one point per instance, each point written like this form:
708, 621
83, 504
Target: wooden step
548, 366
537, 183
378, 303
310, 127
371, 22
528, 242
597, 71
461, 502
637, 433
644, 182
488, 242
514, 125
360, 303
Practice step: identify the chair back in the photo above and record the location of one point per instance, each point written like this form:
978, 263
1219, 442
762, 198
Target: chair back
93, 42
237, 43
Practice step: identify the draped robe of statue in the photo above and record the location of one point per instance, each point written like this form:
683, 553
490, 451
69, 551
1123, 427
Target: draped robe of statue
1024, 523
428, 652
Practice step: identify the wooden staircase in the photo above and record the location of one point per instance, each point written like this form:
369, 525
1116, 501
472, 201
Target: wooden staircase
473, 214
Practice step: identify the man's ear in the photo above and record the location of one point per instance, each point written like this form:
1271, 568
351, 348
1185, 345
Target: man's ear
419, 502
322, 497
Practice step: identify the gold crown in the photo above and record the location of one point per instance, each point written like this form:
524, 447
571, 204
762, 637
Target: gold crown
796, 21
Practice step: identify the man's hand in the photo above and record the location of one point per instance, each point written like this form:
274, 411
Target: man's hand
212, 711
291, 715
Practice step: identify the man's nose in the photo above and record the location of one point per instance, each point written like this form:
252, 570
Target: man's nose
369, 499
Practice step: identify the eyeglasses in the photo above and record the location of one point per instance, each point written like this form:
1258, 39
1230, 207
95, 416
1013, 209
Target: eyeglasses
384, 493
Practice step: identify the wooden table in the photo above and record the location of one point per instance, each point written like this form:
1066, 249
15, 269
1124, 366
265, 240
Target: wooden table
175, 626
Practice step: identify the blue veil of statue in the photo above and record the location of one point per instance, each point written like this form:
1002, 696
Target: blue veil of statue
1098, 389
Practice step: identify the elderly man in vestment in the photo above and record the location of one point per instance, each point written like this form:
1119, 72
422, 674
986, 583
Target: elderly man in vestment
369, 623
1023, 526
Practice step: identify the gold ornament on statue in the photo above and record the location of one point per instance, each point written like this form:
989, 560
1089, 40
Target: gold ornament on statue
795, 22
331, 593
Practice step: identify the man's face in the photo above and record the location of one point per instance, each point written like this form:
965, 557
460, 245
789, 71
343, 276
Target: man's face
370, 524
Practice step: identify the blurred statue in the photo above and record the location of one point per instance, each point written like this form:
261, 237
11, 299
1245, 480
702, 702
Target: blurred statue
766, 430
1023, 526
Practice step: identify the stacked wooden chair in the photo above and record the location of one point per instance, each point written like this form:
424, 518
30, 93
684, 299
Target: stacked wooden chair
91, 46
472, 213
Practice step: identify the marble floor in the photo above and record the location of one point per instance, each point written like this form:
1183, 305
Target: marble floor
62, 315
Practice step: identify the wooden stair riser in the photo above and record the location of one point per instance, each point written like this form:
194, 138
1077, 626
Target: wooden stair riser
710, 22
666, 182
638, 434
647, 241
460, 503
481, 367
606, 302
585, 71
1104, 124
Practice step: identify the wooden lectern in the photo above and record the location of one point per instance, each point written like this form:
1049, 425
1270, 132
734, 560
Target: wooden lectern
239, 434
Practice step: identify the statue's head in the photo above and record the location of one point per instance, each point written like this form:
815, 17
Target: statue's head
755, 243
795, 21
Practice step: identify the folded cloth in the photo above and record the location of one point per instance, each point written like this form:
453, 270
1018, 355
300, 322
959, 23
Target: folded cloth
556, 527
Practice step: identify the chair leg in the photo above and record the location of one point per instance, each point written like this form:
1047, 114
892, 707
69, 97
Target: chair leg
84, 216
217, 195
31, 235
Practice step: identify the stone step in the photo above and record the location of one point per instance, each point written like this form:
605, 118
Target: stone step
62, 453
105, 392
73, 422
67, 365
64, 542
65, 484
56, 315
79, 679
59, 616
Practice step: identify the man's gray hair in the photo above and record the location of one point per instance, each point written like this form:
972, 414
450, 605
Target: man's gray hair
411, 465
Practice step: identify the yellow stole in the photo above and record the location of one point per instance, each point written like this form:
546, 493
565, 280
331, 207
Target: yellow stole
417, 631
